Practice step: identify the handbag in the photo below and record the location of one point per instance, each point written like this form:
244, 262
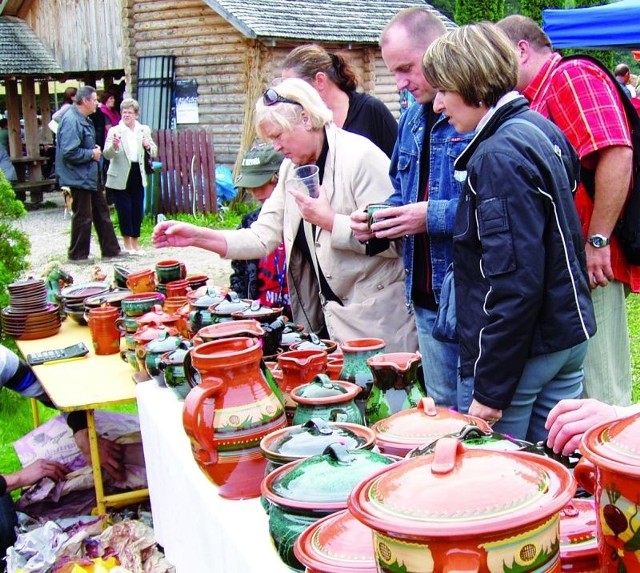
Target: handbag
445, 324
148, 162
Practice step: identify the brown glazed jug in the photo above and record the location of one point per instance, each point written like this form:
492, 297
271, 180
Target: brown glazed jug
229, 412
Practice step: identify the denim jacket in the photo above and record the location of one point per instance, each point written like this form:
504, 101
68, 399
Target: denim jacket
446, 145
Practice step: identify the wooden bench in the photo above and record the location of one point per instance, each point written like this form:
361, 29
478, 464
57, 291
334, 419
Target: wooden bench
44, 185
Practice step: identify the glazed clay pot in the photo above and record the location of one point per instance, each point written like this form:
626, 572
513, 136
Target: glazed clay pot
228, 414
466, 510
330, 400
354, 368
610, 469
578, 541
395, 387
298, 367
105, 335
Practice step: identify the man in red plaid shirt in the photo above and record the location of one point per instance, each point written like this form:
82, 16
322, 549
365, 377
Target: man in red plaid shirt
584, 103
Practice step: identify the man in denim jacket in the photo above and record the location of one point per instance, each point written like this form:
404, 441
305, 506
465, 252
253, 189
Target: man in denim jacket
426, 194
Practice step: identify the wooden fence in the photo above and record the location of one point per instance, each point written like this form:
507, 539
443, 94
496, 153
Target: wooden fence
187, 177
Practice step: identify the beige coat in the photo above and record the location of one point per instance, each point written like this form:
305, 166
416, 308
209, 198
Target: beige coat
120, 164
371, 288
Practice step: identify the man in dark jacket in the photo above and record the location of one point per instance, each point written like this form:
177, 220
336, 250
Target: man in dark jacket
77, 164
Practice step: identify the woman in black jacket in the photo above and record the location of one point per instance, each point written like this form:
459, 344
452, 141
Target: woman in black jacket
522, 295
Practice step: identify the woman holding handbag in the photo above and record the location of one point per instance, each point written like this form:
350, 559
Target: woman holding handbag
125, 148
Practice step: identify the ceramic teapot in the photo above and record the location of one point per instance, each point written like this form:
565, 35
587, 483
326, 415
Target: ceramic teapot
330, 400
229, 412
151, 353
395, 386
172, 365
610, 469
466, 510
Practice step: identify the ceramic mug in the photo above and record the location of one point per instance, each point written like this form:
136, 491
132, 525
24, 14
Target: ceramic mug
141, 281
104, 333
170, 270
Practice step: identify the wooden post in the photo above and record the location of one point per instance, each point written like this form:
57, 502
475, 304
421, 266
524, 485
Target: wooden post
45, 112
31, 134
13, 119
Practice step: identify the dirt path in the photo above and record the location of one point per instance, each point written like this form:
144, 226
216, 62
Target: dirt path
49, 229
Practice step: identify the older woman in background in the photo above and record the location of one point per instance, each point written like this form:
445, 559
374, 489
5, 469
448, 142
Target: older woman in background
522, 295
126, 178
334, 286
336, 80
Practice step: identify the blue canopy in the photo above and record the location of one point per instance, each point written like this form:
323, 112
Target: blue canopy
612, 26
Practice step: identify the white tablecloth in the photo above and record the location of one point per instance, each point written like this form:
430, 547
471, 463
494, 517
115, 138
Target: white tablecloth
199, 530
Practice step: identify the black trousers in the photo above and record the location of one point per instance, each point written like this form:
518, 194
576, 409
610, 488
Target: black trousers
90, 207
129, 203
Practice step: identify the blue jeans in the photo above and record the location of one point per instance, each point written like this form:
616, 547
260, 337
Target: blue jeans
545, 381
439, 361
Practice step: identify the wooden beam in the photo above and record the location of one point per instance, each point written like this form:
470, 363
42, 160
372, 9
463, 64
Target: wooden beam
13, 117
45, 113
30, 116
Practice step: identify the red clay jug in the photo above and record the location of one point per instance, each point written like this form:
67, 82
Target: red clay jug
229, 412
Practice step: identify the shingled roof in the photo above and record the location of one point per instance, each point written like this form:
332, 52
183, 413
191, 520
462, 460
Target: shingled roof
317, 20
22, 53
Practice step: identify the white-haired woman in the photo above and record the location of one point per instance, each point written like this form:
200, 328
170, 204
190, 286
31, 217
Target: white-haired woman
336, 288
126, 178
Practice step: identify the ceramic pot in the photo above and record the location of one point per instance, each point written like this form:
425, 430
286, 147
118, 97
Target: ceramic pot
230, 329
105, 336
140, 303
172, 365
302, 492
152, 352
296, 443
146, 334
338, 543
395, 387
170, 270
333, 401
159, 317
177, 288
197, 281
141, 281
228, 414
466, 510
298, 367
578, 537
354, 368
610, 469
402, 432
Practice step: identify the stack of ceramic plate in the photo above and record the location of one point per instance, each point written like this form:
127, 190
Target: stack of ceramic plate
73, 296
29, 315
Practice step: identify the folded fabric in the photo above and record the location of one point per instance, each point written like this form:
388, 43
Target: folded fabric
445, 325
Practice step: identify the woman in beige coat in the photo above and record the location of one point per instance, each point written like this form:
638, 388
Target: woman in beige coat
335, 286
126, 178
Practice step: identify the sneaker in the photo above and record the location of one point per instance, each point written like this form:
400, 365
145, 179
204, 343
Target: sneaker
87, 261
138, 253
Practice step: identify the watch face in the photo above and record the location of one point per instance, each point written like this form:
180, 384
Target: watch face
598, 241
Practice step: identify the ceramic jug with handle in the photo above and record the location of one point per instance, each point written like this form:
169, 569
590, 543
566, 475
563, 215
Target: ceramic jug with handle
229, 412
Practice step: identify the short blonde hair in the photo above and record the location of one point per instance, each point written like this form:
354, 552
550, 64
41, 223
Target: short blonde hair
287, 115
130, 103
477, 61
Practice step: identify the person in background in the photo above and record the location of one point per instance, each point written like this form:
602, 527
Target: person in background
335, 288
261, 279
16, 375
108, 108
524, 311
68, 98
126, 178
7, 167
77, 160
4, 134
425, 194
336, 80
585, 105
623, 75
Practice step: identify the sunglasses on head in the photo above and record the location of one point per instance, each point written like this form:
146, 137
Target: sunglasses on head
272, 97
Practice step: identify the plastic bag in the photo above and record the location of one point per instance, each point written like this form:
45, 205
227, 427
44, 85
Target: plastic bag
224, 184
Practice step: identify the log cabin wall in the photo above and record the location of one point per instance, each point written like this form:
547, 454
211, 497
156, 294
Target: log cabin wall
230, 69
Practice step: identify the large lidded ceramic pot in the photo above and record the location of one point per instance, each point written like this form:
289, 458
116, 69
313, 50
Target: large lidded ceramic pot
331, 400
302, 492
229, 412
402, 432
610, 469
338, 543
396, 385
466, 510
578, 541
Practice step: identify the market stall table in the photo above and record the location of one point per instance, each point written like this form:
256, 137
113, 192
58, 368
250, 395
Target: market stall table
86, 384
199, 530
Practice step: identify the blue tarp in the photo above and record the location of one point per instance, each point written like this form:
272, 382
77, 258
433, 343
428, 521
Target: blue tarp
612, 26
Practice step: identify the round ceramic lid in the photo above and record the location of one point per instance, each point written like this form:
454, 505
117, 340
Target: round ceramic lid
323, 481
459, 491
310, 439
320, 387
615, 445
422, 425
337, 543
578, 530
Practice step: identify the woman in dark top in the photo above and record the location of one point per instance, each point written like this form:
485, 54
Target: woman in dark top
336, 81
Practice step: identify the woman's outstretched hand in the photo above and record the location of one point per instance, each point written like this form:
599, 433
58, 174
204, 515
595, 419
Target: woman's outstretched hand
173, 234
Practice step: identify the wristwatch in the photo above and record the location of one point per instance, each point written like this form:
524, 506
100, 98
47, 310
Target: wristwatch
598, 241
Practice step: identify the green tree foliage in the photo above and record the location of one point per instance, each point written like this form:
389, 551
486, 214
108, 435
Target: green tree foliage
533, 8
14, 244
470, 11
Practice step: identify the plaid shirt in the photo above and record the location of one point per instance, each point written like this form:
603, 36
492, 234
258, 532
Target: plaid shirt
580, 99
